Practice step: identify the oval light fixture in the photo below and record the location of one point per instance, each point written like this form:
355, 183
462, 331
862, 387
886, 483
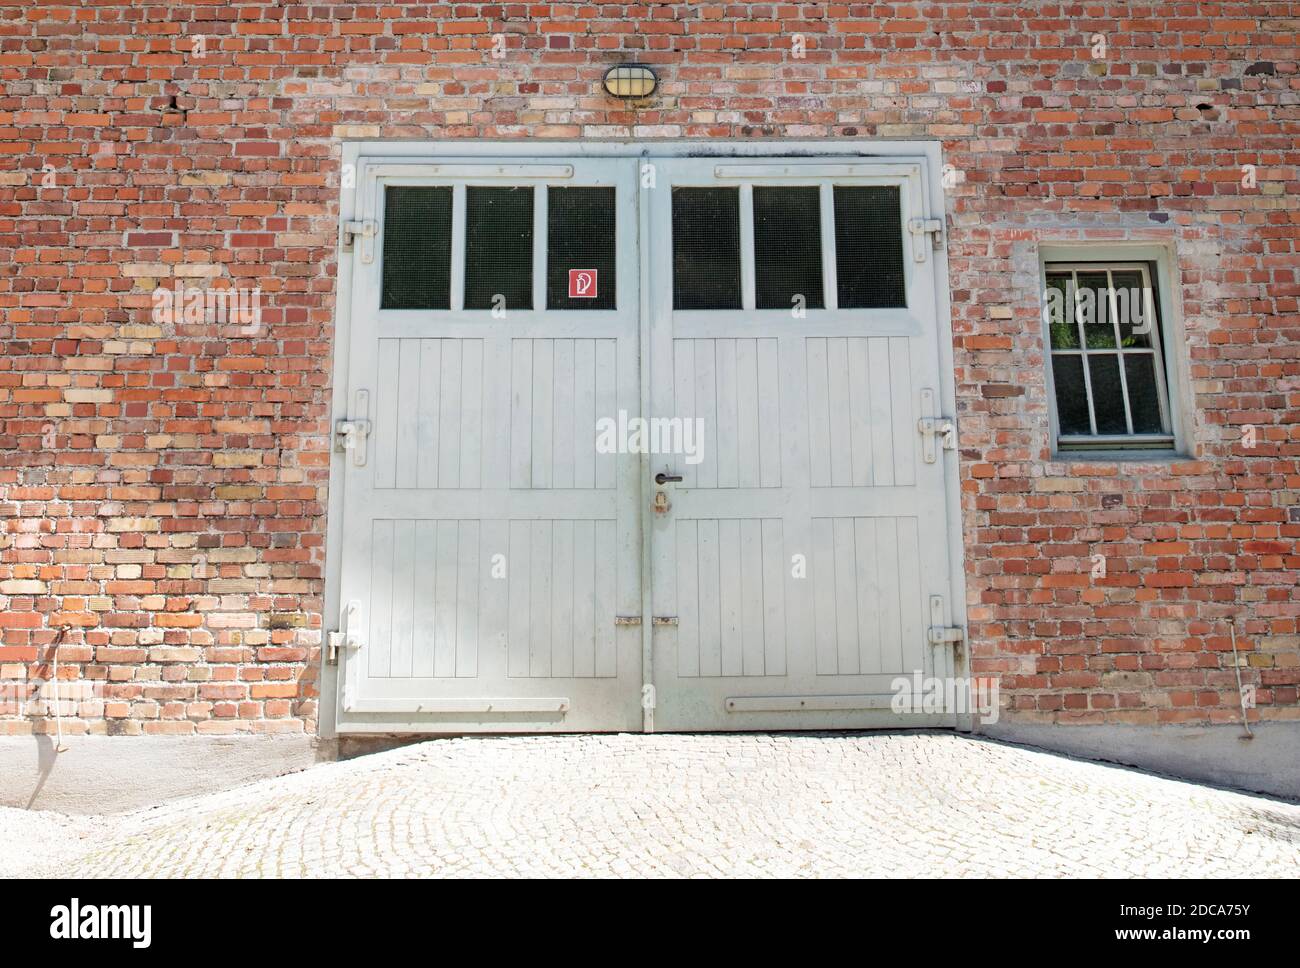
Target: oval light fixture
630, 81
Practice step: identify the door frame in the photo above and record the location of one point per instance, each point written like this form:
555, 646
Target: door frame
432, 152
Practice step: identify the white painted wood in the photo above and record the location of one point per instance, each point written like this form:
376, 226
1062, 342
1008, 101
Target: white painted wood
483, 454
562, 422
489, 544
584, 413
769, 413
799, 568
724, 355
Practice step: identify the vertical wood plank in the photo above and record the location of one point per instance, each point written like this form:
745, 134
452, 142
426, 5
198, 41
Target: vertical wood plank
819, 432
823, 577
471, 414
748, 428
891, 624
846, 598
684, 400
606, 599
539, 567
543, 411
521, 413
450, 406
584, 413
706, 408
901, 392
729, 596
385, 429
444, 601
774, 572
563, 451
562, 600
467, 599
860, 411
379, 648
423, 645
407, 378
688, 601
753, 611
709, 605
494, 599
606, 406
882, 415
868, 597
910, 601
427, 418
769, 414
519, 566
403, 621
837, 390
728, 458
584, 598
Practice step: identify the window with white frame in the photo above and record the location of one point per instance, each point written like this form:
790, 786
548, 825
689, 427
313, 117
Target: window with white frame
1110, 388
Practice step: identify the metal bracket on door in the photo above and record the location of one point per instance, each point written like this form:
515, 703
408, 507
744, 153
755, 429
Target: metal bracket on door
931, 426
346, 637
350, 435
941, 634
365, 228
920, 228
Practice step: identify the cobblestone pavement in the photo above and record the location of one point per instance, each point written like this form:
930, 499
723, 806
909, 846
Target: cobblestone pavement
804, 805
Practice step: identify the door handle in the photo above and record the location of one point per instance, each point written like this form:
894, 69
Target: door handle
661, 478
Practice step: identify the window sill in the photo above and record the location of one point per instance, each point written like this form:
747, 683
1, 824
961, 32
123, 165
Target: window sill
1086, 456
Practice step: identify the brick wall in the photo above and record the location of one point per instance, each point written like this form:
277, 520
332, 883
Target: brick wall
162, 487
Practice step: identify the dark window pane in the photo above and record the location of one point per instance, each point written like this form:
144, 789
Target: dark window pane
1144, 404
787, 247
1071, 395
869, 248
1060, 312
1093, 299
1107, 394
417, 248
706, 248
1131, 308
498, 248
580, 235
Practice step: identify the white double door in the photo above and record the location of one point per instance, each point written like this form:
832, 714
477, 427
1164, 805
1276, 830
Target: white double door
504, 569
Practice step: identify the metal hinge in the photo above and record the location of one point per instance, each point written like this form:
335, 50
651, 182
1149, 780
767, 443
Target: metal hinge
365, 228
354, 227
922, 227
944, 428
932, 427
941, 634
346, 637
351, 434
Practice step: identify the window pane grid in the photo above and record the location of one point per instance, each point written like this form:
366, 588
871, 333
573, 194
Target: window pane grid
1117, 363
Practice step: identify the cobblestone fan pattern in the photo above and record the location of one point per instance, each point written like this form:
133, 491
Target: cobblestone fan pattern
163, 483
791, 805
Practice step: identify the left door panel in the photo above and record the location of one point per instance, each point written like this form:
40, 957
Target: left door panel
490, 554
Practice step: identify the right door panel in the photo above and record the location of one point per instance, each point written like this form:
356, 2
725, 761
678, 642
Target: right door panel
793, 350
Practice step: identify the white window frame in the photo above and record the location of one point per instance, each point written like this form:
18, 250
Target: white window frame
1154, 262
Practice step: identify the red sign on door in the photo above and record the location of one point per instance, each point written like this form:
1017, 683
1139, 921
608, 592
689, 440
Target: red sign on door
582, 283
